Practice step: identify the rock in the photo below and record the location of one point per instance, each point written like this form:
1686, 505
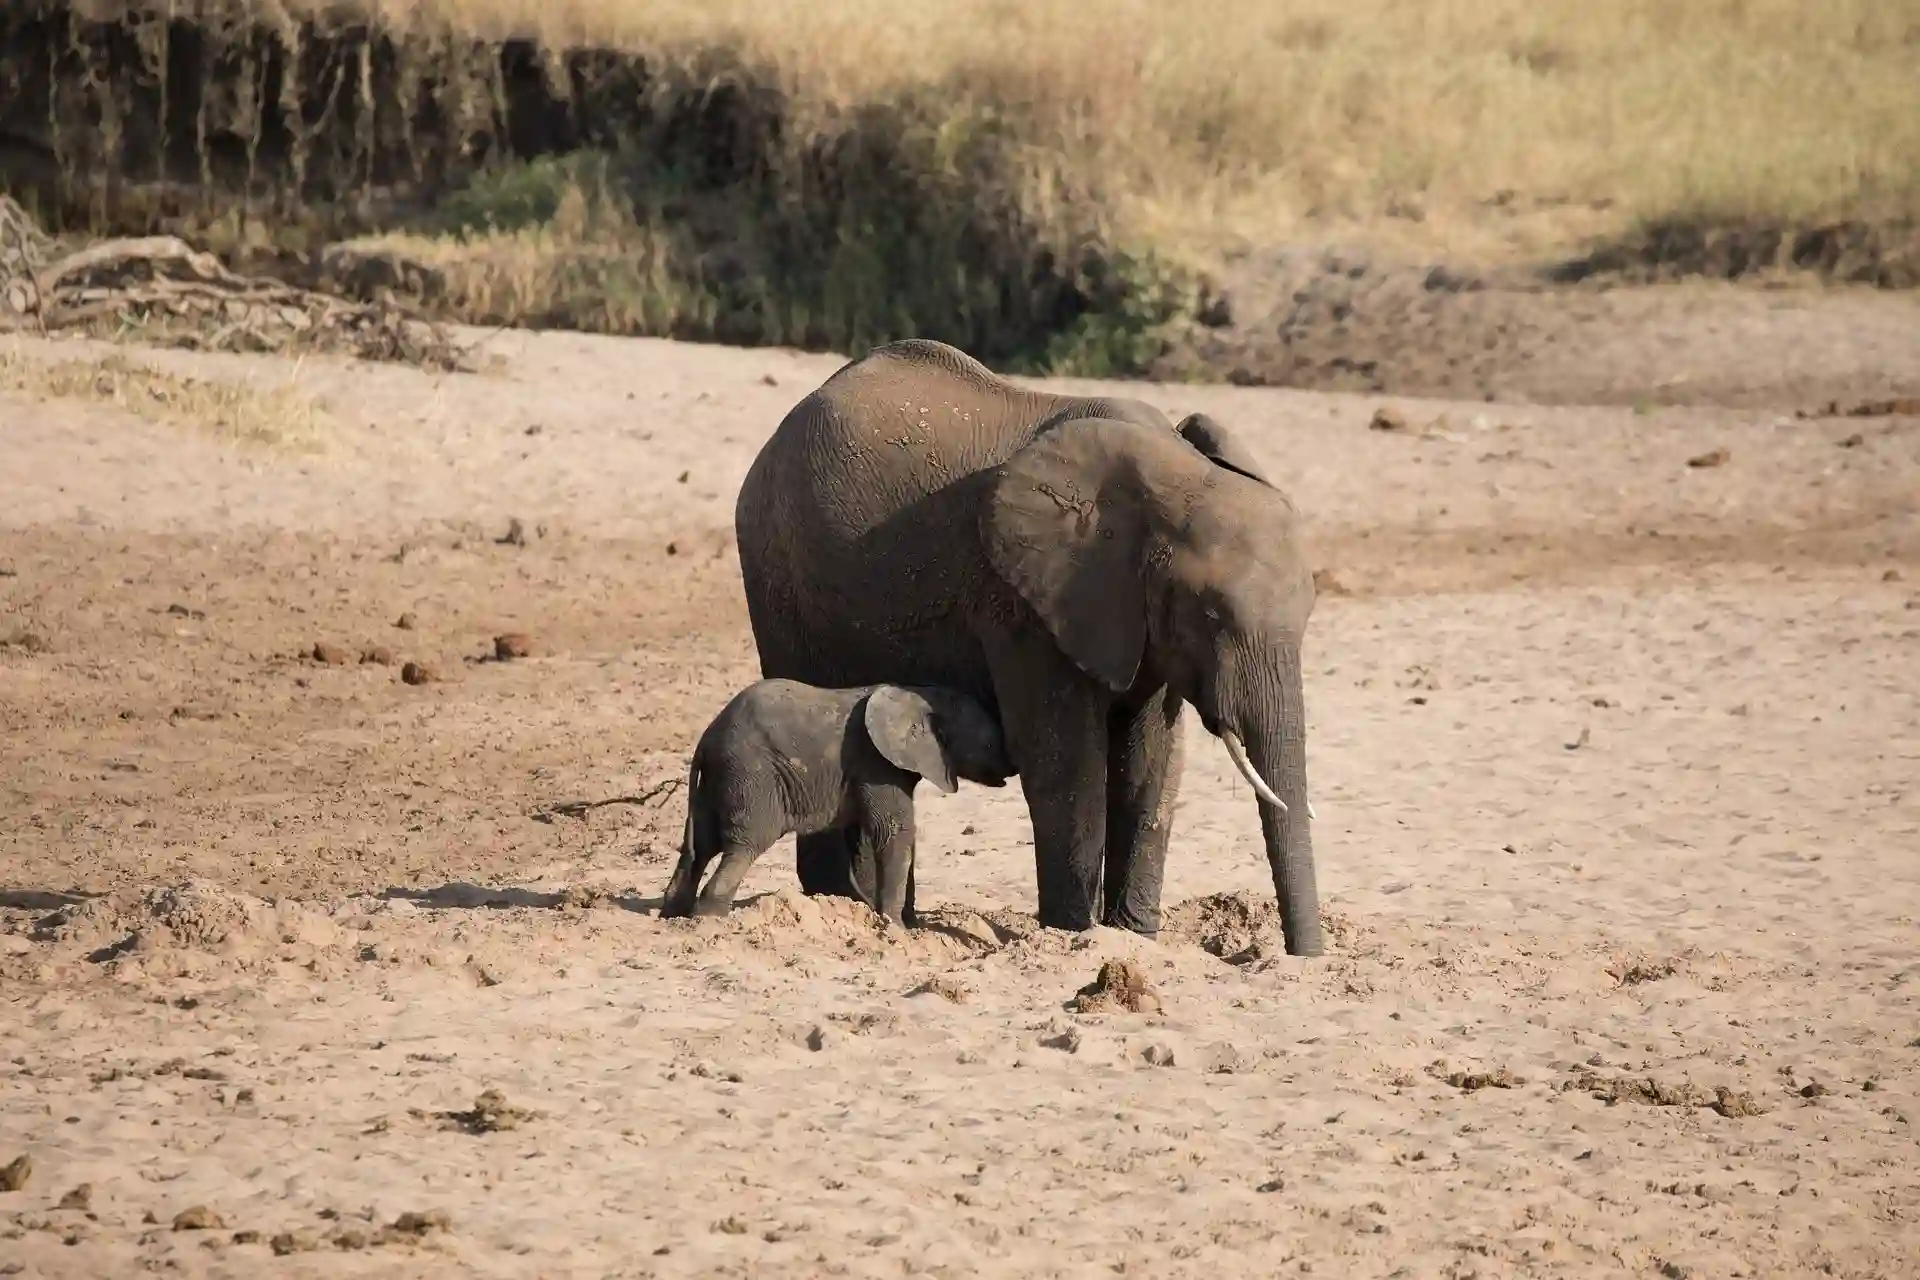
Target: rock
1387, 419
328, 654
1891, 575
820, 1037
14, 1174
514, 644
1158, 1055
197, 1218
418, 673
378, 654
1711, 458
294, 1242
1119, 985
81, 1198
246, 1237
406, 621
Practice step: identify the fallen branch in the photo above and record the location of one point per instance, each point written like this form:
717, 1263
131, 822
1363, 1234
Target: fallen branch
579, 808
183, 296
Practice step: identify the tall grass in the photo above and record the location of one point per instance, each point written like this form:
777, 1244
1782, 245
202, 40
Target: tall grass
1465, 124
1036, 180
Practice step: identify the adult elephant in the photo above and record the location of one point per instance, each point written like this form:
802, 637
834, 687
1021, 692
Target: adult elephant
1080, 565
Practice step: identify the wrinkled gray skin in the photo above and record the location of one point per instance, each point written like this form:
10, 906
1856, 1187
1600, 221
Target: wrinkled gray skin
783, 757
1081, 566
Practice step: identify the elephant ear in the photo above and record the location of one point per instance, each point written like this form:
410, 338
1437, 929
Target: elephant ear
900, 723
1066, 527
1214, 440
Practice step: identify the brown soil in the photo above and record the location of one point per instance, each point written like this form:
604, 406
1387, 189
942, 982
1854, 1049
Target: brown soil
1613, 758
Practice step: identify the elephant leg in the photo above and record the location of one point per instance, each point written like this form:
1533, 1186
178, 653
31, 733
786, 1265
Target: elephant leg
1143, 778
717, 898
1056, 724
885, 835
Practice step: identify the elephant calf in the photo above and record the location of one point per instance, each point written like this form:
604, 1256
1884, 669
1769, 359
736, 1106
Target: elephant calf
789, 758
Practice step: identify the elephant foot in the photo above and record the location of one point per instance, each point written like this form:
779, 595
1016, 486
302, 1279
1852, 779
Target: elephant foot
1132, 923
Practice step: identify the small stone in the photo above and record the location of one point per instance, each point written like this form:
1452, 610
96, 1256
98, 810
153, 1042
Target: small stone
819, 1038
730, 1226
1853, 441
1711, 458
328, 654
287, 1242
197, 1218
1387, 419
1814, 1090
246, 1237
1891, 575
81, 1197
418, 673
377, 654
1158, 1055
406, 621
15, 1173
513, 644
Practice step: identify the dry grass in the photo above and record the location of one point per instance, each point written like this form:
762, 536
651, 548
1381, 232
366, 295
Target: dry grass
278, 417
1472, 125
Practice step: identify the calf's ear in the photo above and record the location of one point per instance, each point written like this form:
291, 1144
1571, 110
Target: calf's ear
900, 723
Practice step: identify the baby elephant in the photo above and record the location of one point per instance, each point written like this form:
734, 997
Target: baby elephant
788, 758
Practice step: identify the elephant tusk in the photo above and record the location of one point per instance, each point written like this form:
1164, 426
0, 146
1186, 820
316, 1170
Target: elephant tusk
1245, 766
1311, 815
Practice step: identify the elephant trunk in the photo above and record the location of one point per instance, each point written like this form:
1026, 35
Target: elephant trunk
1277, 749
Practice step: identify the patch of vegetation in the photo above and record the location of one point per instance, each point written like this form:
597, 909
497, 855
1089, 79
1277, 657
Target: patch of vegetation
1037, 183
275, 417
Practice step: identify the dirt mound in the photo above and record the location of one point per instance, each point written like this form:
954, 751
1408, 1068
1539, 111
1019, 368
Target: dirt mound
791, 922
1232, 926
194, 915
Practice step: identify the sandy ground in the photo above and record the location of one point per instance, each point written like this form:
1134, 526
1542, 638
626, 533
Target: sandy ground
1615, 759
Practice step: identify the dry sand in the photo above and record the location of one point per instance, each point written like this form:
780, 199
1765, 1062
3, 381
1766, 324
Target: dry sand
1615, 760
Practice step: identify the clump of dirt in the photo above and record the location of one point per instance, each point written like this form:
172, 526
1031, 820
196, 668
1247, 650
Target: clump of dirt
1632, 972
1474, 1081
194, 915
948, 988
491, 1113
1231, 926
15, 1173
198, 1218
1648, 1091
1120, 985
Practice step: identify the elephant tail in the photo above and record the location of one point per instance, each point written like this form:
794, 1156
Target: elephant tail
693, 791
